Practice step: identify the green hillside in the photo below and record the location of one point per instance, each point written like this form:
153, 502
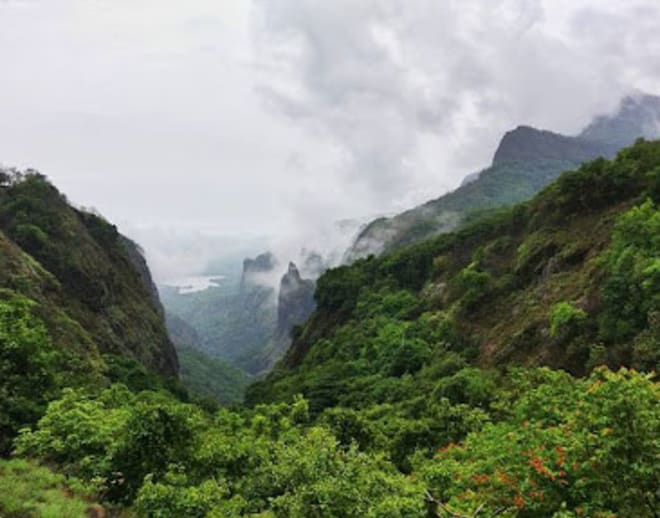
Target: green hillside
496, 371
72, 300
211, 377
568, 280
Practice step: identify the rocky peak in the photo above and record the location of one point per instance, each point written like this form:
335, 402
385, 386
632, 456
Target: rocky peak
528, 143
252, 268
262, 263
636, 116
295, 301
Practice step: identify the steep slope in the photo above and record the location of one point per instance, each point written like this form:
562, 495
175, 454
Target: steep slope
295, 304
526, 160
569, 280
400, 421
201, 373
248, 323
90, 272
235, 319
77, 306
295, 300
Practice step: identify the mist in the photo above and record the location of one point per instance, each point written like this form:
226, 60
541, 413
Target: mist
211, 129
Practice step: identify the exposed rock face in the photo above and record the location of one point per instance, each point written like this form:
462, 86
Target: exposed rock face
136, 256
527, 159
313, 264
527, 143
295, 302
248, 323
253, 268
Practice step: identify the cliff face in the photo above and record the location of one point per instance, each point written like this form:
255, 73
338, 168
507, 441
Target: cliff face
527, 143
136, 256
295, 301
85, 276
526, 160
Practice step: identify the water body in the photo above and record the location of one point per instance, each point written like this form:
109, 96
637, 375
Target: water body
194, 283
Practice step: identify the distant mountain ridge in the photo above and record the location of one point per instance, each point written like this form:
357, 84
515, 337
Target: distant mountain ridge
246, 323
526, 160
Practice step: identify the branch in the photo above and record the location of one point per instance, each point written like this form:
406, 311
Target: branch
430, 499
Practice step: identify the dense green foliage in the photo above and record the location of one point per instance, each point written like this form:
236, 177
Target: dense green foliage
415, 390
91, 284
496, 293
28, 366
529, 444
211, 377
588, 447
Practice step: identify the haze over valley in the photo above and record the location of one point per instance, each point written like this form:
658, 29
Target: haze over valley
349, 258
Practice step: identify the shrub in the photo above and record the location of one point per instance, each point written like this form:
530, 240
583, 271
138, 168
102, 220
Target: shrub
566, 320
28, 366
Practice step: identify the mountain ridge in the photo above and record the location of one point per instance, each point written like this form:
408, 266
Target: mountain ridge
526, 160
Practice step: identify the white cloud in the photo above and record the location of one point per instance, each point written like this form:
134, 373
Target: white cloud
281, 116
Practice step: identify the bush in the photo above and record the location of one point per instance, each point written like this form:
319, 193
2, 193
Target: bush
566, 320
29, 366
595, 454
470, 286
632, 290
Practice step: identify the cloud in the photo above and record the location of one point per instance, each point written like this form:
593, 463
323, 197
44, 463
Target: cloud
415, 93
280, 117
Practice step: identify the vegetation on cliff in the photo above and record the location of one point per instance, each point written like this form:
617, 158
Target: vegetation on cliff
503, 370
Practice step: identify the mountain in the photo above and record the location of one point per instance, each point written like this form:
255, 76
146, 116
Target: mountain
568, 280
637, 116
526, 160
77, 295
295, 304
246, 323
422, 391
80, 267
295, 301
201, 373
235, 319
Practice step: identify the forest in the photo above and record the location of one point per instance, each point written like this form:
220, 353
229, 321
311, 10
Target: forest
507, 369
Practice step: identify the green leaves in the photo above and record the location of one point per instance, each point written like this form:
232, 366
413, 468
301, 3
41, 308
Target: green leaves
589, 446
632, 289
566, 319
28, 365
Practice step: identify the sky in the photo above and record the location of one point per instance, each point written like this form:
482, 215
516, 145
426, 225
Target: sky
239, 119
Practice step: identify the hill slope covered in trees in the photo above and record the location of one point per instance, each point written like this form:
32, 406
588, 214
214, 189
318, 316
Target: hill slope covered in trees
426, 382
76, 301
568, 279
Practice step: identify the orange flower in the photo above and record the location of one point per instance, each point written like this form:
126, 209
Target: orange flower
480, 479
519, 502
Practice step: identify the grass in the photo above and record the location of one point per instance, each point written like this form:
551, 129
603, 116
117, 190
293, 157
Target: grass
27, 490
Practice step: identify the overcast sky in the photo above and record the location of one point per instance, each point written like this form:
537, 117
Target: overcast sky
271, 116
